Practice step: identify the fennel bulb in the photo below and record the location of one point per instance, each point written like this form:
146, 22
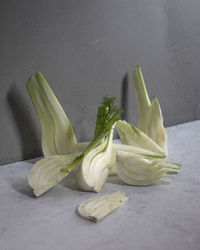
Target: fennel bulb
46, 173
150, 116
138, 170
95, 167
131, 135
57, 134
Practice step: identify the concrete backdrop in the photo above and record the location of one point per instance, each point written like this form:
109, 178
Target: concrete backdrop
87, 49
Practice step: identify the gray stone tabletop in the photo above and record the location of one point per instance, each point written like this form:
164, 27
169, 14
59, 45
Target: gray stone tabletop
159, 217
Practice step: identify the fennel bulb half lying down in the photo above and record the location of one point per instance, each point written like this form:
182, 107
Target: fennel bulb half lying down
139, 170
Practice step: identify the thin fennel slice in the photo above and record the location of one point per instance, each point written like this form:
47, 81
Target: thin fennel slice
97, 208
138, 170
150, 116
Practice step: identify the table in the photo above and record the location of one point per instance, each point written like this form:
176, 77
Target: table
159, 217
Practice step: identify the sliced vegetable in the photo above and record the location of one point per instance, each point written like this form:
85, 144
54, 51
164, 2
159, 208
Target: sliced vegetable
125, 148
97, 208
46, 121
136, 161
47, 172
52, 171
130, 149
138, 170
131, 135
57, 134
150, 116
95, 167
136, 150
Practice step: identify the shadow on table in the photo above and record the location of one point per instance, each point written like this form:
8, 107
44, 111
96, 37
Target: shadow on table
115, 180
34, 160
124, 97
23, 121
21, 186
70, 182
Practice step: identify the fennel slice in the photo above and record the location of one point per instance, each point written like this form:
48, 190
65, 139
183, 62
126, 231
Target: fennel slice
46, 173
97, 208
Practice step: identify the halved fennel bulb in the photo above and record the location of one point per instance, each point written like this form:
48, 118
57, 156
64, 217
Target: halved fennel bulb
131, 135
138, 170
58, 137
47, 172
95, 167
150, 115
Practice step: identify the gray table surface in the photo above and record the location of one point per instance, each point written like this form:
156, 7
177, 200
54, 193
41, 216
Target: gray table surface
157, 217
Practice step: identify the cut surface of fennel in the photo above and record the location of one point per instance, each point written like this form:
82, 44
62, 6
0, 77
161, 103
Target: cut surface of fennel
97, 208
95, 167
122, 147
132, 136
57, 134
47, 172
150, 116
98, 158
138, 170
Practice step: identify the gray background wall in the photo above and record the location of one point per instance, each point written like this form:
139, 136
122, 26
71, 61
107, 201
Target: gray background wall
87, 49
